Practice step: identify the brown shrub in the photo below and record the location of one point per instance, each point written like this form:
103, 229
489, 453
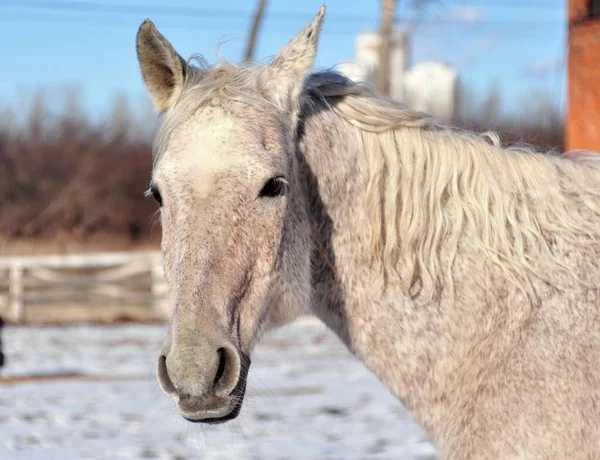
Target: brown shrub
62, 173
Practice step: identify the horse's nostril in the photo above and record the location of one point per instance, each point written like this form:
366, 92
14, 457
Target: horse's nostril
163, 376
222, 363
228, 370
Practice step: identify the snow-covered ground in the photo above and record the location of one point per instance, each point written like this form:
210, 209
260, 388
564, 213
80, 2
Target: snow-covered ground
307, 398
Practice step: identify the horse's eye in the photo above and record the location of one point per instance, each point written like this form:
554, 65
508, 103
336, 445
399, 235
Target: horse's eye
156, 195
276, 186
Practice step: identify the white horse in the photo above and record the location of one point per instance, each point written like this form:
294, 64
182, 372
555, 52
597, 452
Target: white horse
464, 275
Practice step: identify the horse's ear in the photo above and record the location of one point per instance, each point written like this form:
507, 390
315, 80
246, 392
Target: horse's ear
163, 69
292, 64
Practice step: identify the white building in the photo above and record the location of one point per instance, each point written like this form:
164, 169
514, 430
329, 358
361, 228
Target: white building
429, 87
366, 63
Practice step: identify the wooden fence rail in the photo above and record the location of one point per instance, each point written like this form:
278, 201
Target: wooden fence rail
121, 278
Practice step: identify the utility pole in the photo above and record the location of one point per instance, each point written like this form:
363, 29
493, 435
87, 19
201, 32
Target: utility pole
388, 8
256, 22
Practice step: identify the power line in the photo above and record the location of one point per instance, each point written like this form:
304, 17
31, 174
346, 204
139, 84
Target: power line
120, 22
177, 11
165, 11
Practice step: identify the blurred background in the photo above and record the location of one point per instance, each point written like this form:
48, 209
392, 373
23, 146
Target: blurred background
81, 291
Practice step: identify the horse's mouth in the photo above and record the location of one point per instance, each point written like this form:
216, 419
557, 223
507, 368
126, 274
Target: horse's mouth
218, 420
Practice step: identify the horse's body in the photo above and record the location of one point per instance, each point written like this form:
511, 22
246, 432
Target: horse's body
489, 370
464, 275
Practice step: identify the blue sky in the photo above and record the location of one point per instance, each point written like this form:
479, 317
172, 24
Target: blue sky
516, 45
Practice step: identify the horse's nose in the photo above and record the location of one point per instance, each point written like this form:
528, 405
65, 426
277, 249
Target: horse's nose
192, 372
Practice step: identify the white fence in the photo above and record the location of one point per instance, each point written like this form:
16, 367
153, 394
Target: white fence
122, 278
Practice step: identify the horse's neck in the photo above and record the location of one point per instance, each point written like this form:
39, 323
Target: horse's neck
412, 346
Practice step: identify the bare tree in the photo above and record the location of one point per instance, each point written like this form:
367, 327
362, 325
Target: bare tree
256, 23
387, 21
491, 105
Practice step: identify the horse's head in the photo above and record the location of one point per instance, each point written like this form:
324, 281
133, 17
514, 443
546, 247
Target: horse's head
235, 242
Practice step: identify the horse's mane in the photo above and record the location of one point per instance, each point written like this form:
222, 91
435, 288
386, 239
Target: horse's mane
428, 183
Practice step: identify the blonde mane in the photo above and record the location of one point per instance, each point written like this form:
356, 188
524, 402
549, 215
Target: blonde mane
427, 184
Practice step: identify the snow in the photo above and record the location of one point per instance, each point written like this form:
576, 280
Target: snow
307, 398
